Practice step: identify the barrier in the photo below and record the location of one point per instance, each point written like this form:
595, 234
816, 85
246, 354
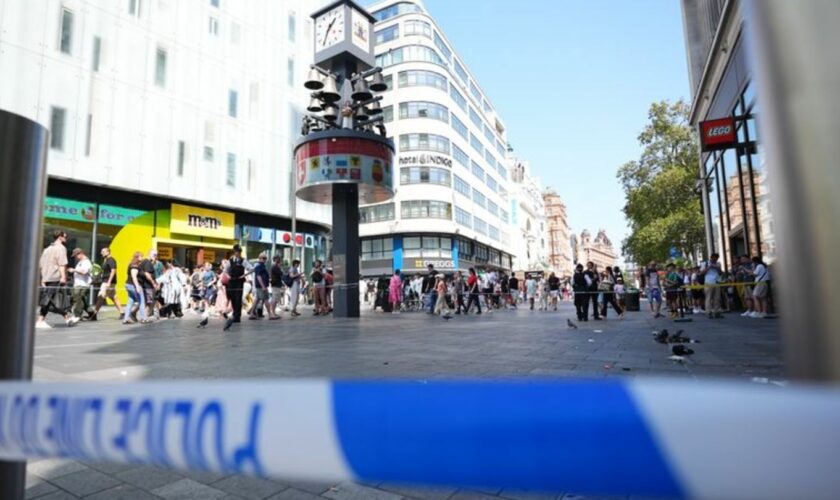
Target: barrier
645, 437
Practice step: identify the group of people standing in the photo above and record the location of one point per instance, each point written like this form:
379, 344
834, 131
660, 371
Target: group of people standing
588, 285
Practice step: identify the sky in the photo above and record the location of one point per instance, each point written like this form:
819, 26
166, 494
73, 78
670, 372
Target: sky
573, 81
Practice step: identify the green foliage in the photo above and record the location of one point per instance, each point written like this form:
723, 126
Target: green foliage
661, 205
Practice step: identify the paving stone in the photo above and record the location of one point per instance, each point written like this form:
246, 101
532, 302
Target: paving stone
85, 482
59, 495
52, 468
187, 489
148, 477
123, 492
111, 468
251, 488
202, 477
514, 494
472, 495
37, 487
352, 491
294, 494
317, 488
419, 492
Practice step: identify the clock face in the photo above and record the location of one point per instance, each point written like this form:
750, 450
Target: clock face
329, 28
361, 30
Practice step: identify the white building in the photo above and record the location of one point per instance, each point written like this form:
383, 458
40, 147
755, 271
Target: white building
155, 102
452, 202
528, 216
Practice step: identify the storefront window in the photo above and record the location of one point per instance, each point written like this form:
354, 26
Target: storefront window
765, 243
378, 249
716, 221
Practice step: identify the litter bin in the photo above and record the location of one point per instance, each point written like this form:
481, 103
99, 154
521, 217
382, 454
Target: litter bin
631, 300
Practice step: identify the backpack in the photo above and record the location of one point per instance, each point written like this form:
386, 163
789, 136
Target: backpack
317, 276
287, 279
96, 273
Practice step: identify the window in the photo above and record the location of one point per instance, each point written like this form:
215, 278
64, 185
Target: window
478, 171
491, 183
378, 249
441, 45
503, 214
481, 253
208, 153
396, 10
376, 213
461, 72
460, 156
65, 37
88, 132
231, 170
475, 92
500, 168
233, 103
292, 26
57, 119
430, 142
290, 71
460, 127
488, 134
462, 186
456, 96
387, 34
417, 53
213, 26
417, 27
493, 232
479, 198
475, 118
425, 175
160, 68
422, 109
135, 7
97, 53
500, 147
480, 227
389, 82
492, 208
487, 107
475, 142
182, 152
421, 78
425, 209
490, 158
388, 114
427, 246
463, 217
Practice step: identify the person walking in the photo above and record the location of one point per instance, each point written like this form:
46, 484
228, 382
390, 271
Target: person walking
320, 288
711, 276
761, 290
553, 289
429, 291
531, 291
395, 292
236, 285
513, 287
472, 289
592, 282
81, 284
619, 288
172, 285
53, 296
294, 277
581, 298
442, 305
261, 284
654, 289
150, 284
609, 289
276, 290
108, 288
134, 287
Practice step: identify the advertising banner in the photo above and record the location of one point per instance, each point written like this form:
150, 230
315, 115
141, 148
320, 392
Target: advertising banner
201, 222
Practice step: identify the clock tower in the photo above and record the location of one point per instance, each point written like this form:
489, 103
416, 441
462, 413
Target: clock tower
343, 34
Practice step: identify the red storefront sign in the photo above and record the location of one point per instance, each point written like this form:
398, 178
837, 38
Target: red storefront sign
718, 134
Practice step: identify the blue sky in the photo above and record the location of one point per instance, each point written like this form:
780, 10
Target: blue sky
573, 80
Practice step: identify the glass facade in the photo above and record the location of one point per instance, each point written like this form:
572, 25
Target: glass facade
426, 209
423, 109
422, 78
424, 142
376, 213
425, 175
740, 221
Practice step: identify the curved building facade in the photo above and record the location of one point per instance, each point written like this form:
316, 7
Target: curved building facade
452, 203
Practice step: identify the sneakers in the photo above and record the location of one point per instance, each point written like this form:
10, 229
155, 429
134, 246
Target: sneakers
748, 314
760, 316
71, 321
42, 325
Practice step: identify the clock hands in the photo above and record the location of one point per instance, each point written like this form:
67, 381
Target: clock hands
329, 28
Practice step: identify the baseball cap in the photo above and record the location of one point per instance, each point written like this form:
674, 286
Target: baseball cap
77, 251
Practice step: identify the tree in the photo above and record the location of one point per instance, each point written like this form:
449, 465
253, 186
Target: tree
662, 206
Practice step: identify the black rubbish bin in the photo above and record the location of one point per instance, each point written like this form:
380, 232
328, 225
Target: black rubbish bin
631, 300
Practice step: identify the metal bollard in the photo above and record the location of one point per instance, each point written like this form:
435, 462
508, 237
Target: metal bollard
798, 67
23, 182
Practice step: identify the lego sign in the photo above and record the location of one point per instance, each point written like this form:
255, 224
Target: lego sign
718, 134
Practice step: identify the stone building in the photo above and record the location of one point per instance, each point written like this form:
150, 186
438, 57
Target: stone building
560, 255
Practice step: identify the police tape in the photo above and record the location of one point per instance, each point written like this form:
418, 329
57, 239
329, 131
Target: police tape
646, 437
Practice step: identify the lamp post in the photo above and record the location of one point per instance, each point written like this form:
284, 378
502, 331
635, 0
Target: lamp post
344, 156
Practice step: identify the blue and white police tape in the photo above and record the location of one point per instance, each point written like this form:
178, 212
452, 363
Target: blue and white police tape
648, 437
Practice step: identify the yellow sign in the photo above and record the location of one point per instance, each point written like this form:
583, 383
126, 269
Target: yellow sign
201, 222
209, 255
164, 253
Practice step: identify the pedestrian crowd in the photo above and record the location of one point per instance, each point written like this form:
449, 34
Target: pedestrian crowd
77, 289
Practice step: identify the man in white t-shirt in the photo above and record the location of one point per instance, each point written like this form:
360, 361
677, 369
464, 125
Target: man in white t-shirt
81, 284
712, 272
761, 289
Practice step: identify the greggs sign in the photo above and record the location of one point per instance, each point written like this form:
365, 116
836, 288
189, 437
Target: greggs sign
718, 134
201, 222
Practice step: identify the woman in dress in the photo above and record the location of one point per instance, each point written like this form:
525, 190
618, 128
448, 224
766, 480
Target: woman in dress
395, 292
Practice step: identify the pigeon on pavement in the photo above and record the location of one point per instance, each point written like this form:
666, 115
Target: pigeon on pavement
205, 318
681, 350
571, 324
228, 324
661, 337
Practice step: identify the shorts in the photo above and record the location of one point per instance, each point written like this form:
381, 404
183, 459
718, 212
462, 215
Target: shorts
149, 295
275, 292
672, 295
209, 294
107, 292
654, 295
760, 290
261, 293
554, 293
